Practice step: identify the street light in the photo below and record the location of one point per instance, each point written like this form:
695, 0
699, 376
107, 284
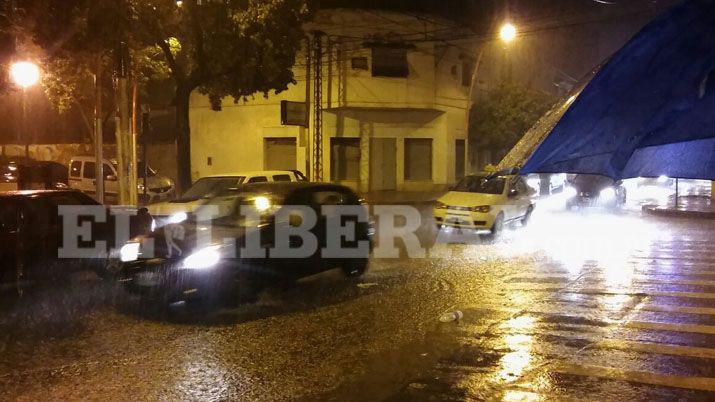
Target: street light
25, 74
507, 33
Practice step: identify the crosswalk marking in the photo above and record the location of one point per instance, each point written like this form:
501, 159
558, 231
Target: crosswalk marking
669, 308
695, 383
663, 326
659, 348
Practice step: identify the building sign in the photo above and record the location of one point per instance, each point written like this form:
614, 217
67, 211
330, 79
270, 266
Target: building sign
294, 114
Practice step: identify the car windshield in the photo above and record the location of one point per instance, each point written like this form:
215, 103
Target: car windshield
481, 184
208, 187
227, 207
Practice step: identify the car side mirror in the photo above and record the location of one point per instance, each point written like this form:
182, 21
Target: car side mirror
513, 193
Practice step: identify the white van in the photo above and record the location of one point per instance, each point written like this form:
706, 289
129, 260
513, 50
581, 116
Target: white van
82, 177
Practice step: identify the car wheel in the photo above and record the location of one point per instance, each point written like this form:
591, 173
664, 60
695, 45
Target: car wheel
247, 288
498, 225
527, 216
355, 267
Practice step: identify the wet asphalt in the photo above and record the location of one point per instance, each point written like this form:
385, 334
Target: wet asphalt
590, 306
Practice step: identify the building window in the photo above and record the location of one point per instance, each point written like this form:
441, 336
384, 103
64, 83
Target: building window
359, 63
418, 159
467, 71
344, 159
389, 62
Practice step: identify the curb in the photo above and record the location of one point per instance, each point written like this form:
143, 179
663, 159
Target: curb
677, 213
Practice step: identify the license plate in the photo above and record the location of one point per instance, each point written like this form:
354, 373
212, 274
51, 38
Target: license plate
147, 279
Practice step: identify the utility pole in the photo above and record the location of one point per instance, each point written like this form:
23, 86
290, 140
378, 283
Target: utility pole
98, 140
318, 107
123, 129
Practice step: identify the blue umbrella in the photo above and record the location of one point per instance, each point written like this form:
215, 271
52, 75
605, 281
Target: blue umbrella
649, 111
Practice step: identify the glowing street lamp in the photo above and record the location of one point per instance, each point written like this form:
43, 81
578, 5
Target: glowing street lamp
25, 74
507, 33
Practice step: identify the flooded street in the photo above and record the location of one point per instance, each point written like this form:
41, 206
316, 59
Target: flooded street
597, 306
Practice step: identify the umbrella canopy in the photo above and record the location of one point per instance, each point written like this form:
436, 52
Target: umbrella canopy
649, 111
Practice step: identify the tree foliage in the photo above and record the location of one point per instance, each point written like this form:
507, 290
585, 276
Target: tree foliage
222, 48
502, 118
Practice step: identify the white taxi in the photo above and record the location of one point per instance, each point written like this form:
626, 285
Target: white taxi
485, 202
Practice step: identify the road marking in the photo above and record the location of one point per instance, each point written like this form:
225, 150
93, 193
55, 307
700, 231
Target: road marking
693, 282
664, 326
638, 278
688, 295
669, 308
659, 348
696, 383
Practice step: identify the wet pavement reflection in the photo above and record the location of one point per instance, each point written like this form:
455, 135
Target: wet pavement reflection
596, 306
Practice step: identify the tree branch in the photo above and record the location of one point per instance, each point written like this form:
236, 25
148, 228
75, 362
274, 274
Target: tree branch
176, 70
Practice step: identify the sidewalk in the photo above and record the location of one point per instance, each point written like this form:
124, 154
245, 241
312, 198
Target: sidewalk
402, 197
689, 206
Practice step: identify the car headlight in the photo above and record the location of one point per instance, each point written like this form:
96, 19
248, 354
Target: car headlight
440, 205
607, 194
177, 217
570, 192
207, 257
262, 204
129, 252
140, 187
482, 208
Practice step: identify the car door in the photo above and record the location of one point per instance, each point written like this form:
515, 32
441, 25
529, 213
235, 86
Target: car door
88, 177
9, 224
523, 198
75, 175
510, 197
111, 185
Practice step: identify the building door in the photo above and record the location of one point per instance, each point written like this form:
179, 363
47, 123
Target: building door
383, 164
459, 150
279, 153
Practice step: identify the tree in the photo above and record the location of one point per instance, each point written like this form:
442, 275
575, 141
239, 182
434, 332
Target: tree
502, 118
222, 48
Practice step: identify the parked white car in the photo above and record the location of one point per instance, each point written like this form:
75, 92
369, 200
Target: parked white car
485, 202
82, 177
209, 187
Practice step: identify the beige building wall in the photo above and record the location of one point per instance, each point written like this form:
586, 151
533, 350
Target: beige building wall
429, 103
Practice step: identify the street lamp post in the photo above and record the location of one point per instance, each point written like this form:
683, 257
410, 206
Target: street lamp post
507, 34
25, 74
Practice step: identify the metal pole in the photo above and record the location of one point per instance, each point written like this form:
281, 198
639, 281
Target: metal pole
133, 157
25, 131
145, 132
472, 82
98, 140
318, 108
